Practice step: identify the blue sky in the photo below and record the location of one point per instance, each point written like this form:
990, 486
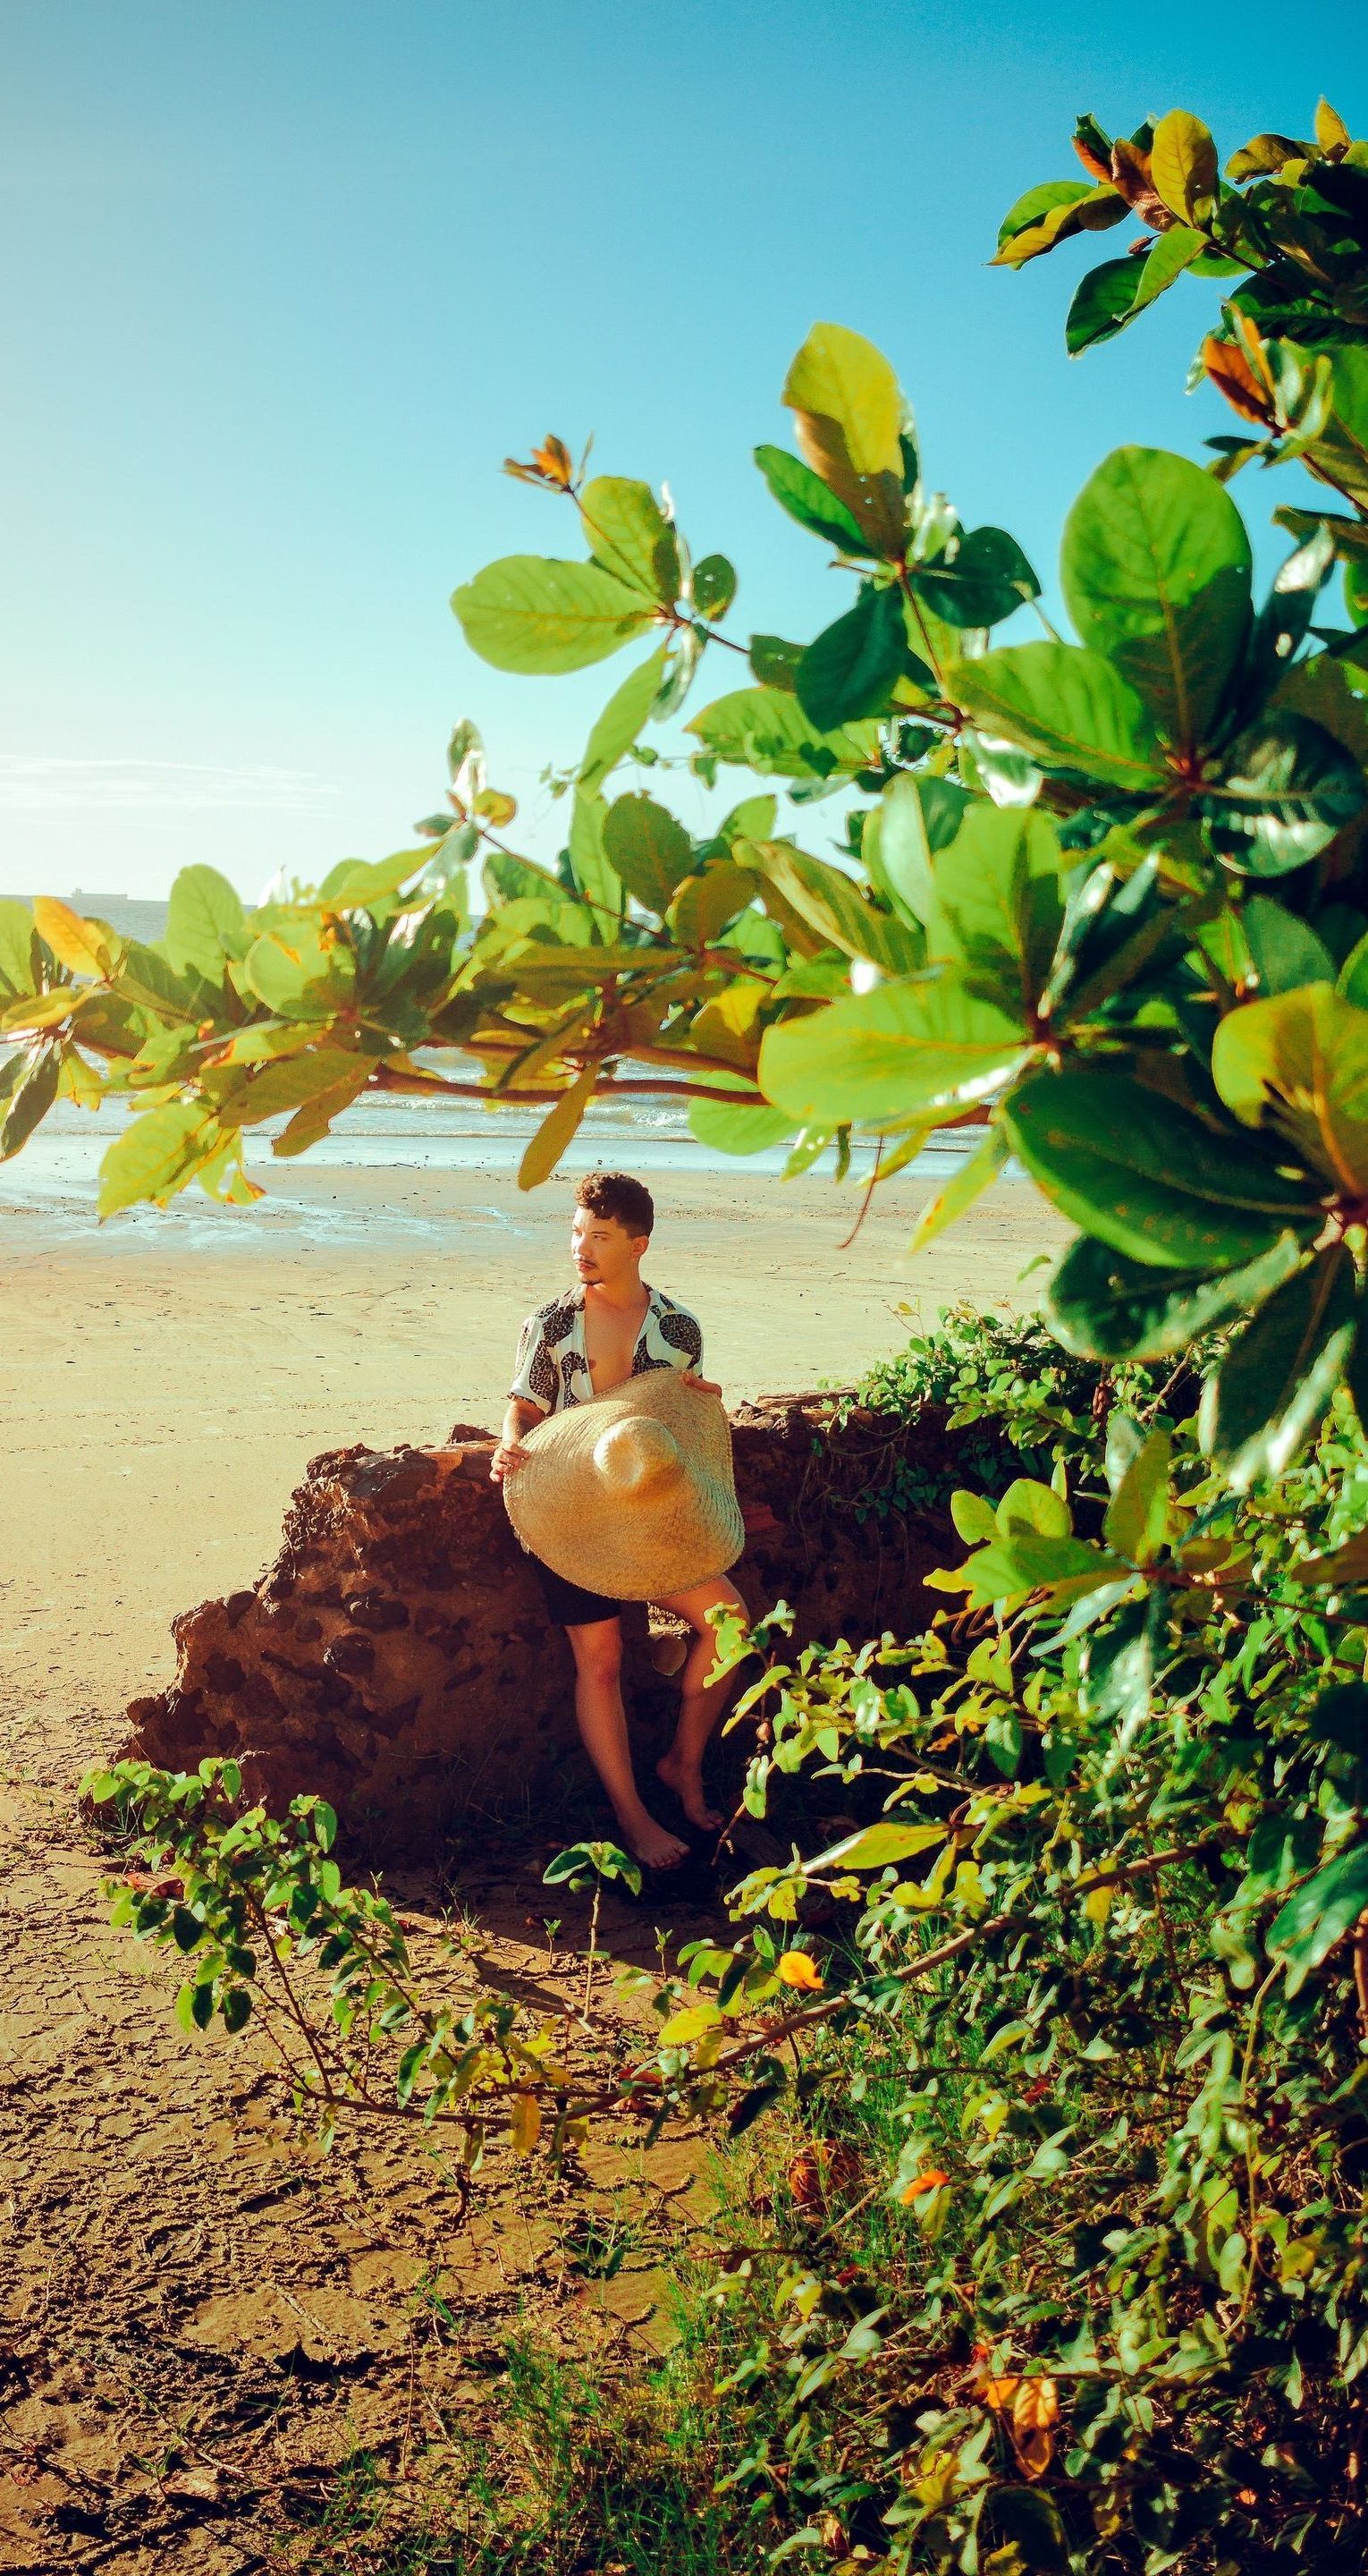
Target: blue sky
282, 285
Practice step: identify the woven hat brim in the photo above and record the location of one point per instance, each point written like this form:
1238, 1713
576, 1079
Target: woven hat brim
630, 1551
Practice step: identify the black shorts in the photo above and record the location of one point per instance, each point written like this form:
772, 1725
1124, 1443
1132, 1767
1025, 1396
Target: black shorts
568, 1604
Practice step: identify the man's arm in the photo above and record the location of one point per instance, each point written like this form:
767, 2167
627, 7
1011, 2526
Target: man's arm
522, 1416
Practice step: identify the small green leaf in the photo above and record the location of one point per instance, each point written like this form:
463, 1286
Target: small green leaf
765, 729
1274, 1383
631, 537
1137, 1515
648, 849
1068, 708
877, 1845
157, 1154
618, 727
810, 501
1313, 1921
974, 1176
557, 1130
850, 669
205, 923
1300, 1060
714, 586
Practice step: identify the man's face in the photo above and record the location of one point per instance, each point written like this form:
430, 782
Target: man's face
602, 1249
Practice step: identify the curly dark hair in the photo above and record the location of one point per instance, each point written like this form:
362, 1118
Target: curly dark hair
616, 1194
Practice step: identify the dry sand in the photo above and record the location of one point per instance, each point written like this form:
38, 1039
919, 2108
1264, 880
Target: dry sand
199, 2318
163, 1393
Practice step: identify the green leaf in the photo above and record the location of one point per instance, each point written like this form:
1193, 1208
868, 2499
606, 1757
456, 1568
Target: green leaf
1302, 1058
590, 866
730, 1128
1156, 572
1288, 787
982, 578
1284, 951
1146, 1176
834, 906
1274, 1383
1105, 1306
704, 904
530, 613
916, 818
1313, 1921
897, 1052
1093, 210
631, 537
1113, 294
1068, 708
16, 949
648, 849
877, 1845
775, 661
968, 1183
31, 1096
714, 586
810, 501
849, 416
1000, 899
849, 669
1321, 689
1039, 201
766, 730
299, 974
1137, 1515
1029, 1505
268, 1090
157, 1154
622, 719
1183, 166
556, 1131
205, 923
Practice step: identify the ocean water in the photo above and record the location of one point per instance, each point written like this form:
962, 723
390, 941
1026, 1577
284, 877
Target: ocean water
55, 1178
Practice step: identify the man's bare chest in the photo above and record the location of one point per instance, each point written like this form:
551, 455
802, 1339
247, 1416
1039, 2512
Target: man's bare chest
610, 1340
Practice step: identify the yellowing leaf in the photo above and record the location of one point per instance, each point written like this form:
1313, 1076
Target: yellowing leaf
1035, 2412
688, 2025
795, 1968
1332, 134
556, 1130
1183, 166
83, 947
524, 2127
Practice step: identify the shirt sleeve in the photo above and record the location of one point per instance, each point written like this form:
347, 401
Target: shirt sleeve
534, 1374
682, 1336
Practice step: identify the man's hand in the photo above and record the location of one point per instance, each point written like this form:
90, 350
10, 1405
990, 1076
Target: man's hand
507, 1459
703, 1385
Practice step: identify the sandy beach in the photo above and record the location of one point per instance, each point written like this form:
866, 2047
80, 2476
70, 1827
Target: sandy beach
168, 1376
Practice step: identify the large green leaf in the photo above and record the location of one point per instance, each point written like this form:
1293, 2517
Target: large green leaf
1271, 1388
267, 1091
704, 904
205, 923
1146, 1176
530, 613
999, 896
730, 1127
850, 668
766, 730
848, 417
810, 501
915, 818
630, 536
897, 1052
1316, 1918
157, 1154
1069, 708
1105, 1306
299, 974
833, 905
1156, 571
1303, 1058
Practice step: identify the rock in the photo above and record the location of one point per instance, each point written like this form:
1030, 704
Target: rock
397, 1657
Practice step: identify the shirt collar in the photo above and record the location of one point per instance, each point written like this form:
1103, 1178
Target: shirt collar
654, 1301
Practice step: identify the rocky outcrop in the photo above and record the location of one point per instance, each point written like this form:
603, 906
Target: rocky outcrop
397, 1657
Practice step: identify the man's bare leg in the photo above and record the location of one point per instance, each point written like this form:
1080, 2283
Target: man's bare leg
702, 1703
597, 1650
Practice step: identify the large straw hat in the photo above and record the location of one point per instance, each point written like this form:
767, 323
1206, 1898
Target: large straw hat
631, 1494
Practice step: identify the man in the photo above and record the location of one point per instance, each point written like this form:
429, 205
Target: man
611, 1327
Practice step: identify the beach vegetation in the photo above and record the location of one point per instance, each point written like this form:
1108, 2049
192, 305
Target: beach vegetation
1042, 2079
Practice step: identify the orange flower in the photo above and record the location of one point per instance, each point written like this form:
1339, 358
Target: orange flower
932, 2180
797, 1969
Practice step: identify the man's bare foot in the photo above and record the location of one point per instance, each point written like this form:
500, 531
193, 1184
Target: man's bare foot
687, 1784
649, 1843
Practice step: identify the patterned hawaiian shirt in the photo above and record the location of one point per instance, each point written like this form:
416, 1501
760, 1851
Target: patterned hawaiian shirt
553, 1366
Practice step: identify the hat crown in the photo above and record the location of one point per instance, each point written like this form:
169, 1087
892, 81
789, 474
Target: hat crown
635, 1453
